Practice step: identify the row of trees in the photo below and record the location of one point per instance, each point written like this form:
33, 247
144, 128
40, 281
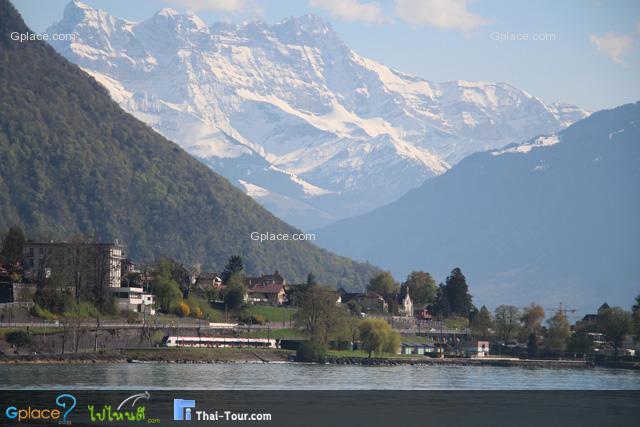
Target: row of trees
510, 323
451, 298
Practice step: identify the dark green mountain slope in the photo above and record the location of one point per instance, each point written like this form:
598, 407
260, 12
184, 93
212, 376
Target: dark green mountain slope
72, 162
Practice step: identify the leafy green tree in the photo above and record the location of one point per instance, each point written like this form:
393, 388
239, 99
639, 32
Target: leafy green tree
378, 337
531, 318
318, 315
235, 291
383, 283
615, 323
421, 287
559, 332
580, 341
166, 290
294, 293
482, 323
311, 352
18, 339
12, 245
234, 266
182, 276
507, 319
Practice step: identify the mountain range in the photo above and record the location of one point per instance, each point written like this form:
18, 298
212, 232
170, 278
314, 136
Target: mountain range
290, 114
551, 220
73, 162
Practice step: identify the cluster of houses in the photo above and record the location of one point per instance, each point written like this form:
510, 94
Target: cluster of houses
274, 290
106, 264
630, 346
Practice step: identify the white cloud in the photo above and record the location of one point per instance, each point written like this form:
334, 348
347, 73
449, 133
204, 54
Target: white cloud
212, 5
612, 46
351, 10
444, 14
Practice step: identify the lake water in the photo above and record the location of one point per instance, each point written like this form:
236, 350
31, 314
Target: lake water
289, 376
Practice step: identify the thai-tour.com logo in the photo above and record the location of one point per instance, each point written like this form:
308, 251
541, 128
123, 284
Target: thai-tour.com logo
182, 409
185, 410
58, 412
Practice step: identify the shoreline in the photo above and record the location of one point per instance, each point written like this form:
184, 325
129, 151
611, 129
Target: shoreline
263, 356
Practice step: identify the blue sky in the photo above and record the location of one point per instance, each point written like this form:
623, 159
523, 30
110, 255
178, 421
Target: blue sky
587, 52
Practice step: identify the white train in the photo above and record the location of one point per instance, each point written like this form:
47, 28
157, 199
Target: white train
184, 341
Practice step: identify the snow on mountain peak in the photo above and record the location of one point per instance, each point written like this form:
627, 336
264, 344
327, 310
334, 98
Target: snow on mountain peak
291, 109
167, 12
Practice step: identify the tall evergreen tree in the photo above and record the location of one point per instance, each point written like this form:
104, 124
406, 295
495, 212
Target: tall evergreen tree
441, 307
457, 293
311, 280
635, 312
234, 265
12, 245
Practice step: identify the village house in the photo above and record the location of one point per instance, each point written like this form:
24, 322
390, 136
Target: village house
401, 304
208, 280
134, 299
367, 301
592, 319
417, 348
273, 294
423, 314
12, 292
268, 288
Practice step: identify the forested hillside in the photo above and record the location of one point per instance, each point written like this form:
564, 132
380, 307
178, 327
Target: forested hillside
72, 162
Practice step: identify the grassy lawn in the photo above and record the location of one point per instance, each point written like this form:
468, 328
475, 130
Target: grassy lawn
272, 314
456, 323
346, 353
32, 330
211, 315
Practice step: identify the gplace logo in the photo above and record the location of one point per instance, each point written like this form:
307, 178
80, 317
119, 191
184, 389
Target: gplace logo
66, 402
182, 409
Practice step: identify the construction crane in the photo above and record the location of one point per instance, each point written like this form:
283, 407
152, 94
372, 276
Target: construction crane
562, 309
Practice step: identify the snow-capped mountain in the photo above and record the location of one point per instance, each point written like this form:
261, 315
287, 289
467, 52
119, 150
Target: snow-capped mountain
549, 220
290, 114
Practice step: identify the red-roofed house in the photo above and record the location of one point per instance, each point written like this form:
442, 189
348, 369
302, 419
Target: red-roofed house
266, 288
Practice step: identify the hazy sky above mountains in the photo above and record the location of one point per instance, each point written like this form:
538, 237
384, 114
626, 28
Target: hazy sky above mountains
586, 53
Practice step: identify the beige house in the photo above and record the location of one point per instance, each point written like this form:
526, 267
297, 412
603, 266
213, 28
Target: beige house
271, 293
134, 299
